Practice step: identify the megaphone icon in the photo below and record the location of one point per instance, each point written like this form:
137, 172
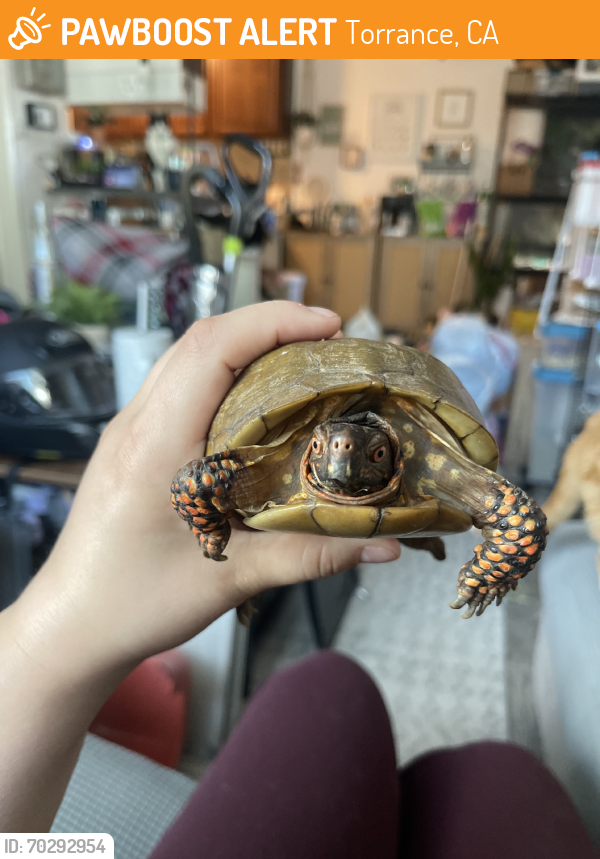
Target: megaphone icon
26, 32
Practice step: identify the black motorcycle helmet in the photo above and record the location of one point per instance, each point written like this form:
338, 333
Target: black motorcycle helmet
56, 394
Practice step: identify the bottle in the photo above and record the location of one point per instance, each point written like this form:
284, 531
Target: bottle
43, 263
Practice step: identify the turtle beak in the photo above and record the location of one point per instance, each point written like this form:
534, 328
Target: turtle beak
342, 461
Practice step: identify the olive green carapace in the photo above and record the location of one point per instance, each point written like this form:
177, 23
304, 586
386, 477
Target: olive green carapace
309, 410
280, 383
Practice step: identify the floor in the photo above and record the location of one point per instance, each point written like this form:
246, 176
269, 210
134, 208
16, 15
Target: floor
446, 681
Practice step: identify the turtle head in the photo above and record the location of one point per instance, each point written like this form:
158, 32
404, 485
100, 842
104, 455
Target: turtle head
352, 456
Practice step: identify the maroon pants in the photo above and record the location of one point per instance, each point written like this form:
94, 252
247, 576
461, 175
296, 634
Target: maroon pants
310, 773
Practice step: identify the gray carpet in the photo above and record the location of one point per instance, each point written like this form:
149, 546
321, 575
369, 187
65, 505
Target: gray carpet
442, 677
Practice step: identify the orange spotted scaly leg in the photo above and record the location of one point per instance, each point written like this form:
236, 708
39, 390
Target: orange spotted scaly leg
514, 528
201, 494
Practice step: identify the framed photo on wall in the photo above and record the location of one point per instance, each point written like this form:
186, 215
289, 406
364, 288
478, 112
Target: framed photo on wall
330, 125
395, 129
454, 108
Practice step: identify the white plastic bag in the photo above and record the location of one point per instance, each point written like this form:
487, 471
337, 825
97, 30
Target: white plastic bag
483, 358
365, 325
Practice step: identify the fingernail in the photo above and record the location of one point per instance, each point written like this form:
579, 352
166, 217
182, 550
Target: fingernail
322, 311
377, 555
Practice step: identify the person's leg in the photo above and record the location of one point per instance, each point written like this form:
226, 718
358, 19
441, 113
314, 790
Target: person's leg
309, 772
487, 801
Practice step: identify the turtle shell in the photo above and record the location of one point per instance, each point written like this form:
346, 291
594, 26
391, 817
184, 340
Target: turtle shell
283, 381
287, 380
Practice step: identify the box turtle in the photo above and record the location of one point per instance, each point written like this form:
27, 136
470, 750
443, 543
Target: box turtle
354, 438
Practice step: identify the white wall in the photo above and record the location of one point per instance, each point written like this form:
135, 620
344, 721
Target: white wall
351, 83
12, 246
22, 177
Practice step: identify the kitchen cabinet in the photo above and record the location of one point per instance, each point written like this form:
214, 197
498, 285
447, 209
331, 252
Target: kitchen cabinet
133, 126
249, 96
338, 269
405, 281
120, 81
399, 294
449, 281
307, 253
350, 274
417, 277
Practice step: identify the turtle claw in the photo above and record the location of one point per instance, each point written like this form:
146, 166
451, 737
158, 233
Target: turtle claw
476, 596
471, 607
214, 557
478, 600
471, 604
459, 602
487, 600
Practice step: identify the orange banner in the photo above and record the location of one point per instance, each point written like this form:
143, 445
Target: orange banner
335, 29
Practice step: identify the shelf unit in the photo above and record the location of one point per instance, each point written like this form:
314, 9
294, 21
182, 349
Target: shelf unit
539, 207
580, 104
532, 199
249, 96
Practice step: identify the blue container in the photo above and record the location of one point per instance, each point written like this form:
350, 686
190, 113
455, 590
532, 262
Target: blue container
592, 373
557, 398
565, 347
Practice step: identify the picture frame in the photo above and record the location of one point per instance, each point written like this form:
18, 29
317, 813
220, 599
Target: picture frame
588, 70
396, 120
330, 125
454, 108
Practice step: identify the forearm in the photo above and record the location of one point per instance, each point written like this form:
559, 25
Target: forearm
46, 707
125, 579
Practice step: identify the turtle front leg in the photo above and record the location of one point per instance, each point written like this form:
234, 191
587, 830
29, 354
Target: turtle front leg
201, 494
514, 528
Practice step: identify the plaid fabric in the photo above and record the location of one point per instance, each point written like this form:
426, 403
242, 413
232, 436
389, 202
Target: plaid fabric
117, 258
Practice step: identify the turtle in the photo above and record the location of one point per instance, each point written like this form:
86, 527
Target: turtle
358, 438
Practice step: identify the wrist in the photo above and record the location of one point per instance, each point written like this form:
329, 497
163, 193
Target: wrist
47, 703
45, 639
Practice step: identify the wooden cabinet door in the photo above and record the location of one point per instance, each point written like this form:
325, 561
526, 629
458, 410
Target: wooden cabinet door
183, 125
399, 285
308, 253
351, 261
246, 96
448, 274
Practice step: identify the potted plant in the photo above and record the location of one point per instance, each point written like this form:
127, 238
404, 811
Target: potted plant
90, 310
97, 123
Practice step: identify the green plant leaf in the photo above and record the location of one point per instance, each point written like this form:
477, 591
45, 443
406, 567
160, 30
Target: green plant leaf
86, 305
489, 278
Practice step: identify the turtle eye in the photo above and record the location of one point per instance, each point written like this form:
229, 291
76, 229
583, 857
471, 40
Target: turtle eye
316, 445
379, 454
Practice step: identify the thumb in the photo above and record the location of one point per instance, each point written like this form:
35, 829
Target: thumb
264, 560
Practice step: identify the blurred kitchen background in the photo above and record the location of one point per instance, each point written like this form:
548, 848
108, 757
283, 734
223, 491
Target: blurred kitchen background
451, 205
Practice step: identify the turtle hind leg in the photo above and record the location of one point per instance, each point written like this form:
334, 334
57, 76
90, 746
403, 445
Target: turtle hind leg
201, 494
434, 545
514, 528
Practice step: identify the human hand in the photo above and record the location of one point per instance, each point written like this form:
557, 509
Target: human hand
127, 578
